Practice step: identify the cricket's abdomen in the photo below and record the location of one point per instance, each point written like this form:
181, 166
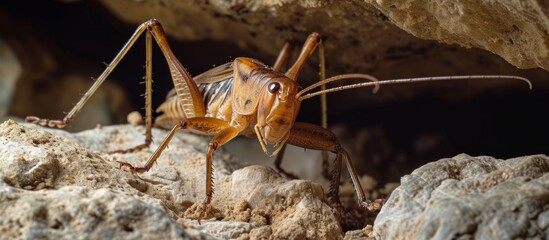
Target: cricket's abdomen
215, 96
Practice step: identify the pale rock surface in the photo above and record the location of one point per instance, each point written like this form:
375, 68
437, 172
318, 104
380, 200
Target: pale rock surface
58, 184
72, 211
468, 197
70, 185
517, 30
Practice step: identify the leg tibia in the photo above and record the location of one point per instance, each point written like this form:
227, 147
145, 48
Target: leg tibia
315, 137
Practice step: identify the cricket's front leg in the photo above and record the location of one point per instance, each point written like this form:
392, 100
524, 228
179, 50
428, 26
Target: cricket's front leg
217, 141
223, 134
315, 137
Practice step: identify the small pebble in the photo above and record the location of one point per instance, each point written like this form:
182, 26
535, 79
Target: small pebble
135, 118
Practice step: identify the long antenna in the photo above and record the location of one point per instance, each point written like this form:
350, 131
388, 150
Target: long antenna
341, 77
396, 81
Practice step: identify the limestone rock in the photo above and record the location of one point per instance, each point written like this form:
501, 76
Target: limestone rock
515, 30
366, 36
300, 209
470, 197
72, 211
69, 184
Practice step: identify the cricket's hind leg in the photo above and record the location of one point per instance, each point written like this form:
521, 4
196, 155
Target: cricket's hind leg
186, 88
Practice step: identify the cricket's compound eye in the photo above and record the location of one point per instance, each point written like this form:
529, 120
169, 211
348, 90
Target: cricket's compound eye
274, 87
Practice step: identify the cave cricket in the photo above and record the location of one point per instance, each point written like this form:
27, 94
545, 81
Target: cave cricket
244, 97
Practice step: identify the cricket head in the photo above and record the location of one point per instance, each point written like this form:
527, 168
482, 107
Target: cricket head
277, 110
278, 107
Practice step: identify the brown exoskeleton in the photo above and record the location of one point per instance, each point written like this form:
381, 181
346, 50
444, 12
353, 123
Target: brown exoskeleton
242, 97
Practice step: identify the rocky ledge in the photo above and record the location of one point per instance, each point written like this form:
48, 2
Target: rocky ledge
54, 184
